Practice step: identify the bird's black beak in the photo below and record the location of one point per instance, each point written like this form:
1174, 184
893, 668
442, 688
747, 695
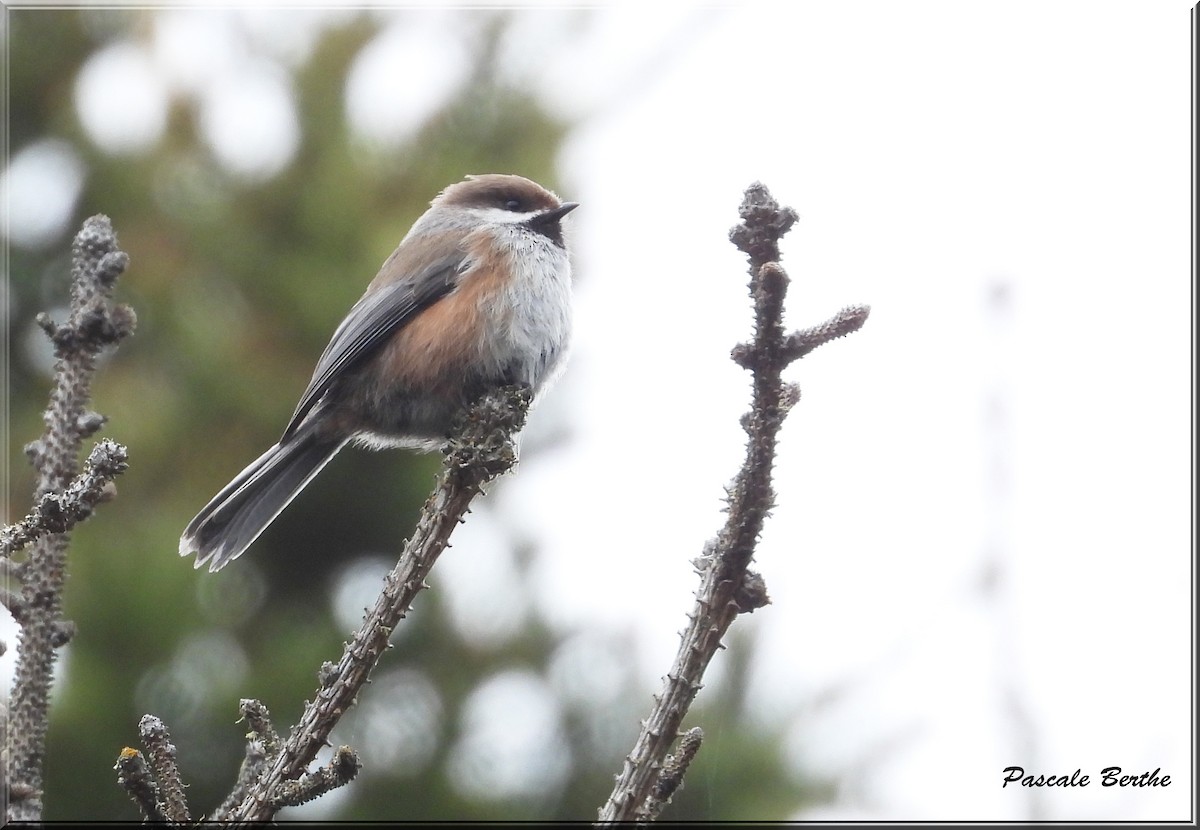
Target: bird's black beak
547, 222
549, 217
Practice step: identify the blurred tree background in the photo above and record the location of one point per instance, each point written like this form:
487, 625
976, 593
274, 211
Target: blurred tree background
238, 277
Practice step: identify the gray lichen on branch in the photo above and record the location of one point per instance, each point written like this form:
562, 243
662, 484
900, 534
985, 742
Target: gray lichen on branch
135, 778
156, 739
58, 512
670, 778
728, 587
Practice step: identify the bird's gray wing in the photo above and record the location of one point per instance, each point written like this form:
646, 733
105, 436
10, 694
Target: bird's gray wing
371, 321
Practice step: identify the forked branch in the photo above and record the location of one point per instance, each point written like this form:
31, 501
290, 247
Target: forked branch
481, 450
727, 585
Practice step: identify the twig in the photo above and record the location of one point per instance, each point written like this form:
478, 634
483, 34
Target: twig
136, 779
261, 730
93, 325
253, 764
670, 778
59, 512
728, 587
342, 769
158, 745
481, 450
262, 747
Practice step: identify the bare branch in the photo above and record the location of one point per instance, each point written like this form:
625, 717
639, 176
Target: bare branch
138, 782
848, 320
255, 713
59, 512
158, 744
262, 747
94, 324
482, 449
342, 769
728, 587
670, 778
13, 601
253, 764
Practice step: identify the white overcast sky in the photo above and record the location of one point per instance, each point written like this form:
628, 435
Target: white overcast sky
940, 154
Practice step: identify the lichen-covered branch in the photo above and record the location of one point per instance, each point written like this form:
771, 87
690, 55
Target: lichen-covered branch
728, 587
94, 324
155, 787
61, 511
158, 745
341, 770
481, 450
135, 778
262, 748
670, 777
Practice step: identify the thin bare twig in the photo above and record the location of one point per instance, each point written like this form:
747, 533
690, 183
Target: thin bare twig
138, 782
158, 745
59, 512
670, 777
728, 587
155, 787
481, 450
94, 324
255, 713
341, 769
262, 747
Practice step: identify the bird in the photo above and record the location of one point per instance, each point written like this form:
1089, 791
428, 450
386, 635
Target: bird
476, 295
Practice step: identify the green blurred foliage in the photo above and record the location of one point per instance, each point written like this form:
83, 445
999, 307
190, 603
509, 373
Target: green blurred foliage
237, 287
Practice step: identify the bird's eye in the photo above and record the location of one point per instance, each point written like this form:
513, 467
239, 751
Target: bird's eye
513, 204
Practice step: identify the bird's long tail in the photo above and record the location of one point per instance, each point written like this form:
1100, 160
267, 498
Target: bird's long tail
240, 512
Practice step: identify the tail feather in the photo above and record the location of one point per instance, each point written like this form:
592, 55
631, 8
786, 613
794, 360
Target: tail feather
242, 510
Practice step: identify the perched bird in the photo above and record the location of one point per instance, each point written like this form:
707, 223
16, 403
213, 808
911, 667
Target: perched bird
478, 293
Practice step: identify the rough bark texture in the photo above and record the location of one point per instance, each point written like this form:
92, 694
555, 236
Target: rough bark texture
727, 585
94, 324
481, 450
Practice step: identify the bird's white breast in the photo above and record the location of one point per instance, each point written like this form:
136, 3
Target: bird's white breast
531, 317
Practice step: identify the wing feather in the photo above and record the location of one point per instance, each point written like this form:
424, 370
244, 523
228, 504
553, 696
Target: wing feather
371, 321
